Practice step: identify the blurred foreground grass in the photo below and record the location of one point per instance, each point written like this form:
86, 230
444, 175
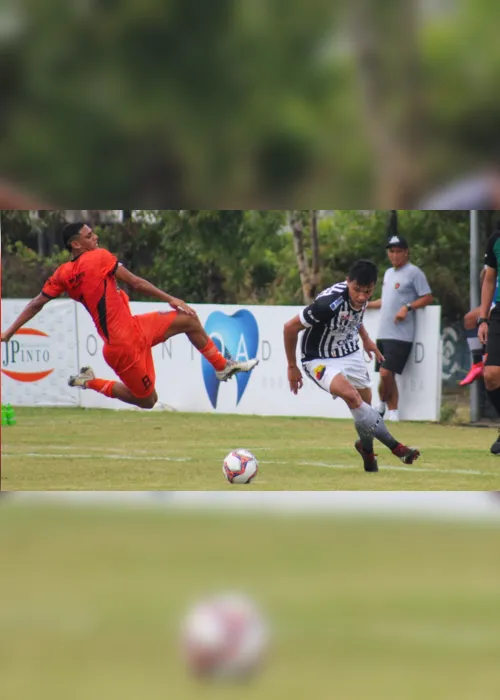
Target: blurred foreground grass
92, 599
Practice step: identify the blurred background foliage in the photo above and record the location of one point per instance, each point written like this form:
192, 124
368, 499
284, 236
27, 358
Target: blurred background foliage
247, 256
250, 104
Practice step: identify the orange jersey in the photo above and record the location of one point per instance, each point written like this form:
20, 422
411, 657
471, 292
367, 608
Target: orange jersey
90, 279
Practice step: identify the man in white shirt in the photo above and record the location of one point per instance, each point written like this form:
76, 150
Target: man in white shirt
405, 290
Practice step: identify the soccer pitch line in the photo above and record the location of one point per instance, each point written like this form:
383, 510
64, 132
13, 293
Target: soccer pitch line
467, 472
164, 458
139, 457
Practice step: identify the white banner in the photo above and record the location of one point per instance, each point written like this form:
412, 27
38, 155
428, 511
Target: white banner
458, 506
38, 360
186, 382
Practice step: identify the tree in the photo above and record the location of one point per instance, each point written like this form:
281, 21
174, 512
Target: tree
390, 82
251, 256
308, 270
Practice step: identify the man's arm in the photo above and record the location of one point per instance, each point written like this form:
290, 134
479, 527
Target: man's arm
144, 287
481, 276
363, 333
488, 291
291, 333
422, 301
487, 295
377, 304
34, 307
369, 345
419, 303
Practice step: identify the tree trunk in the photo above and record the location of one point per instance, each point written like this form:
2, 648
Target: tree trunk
297, 226
315, 252
93, 217
386, 49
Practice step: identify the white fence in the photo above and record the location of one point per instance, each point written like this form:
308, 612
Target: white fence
454, 506
37, 362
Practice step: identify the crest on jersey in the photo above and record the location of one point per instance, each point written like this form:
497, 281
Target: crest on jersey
338, 302
319, 371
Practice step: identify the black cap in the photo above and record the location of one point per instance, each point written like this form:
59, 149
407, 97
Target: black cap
397, 241
70, 231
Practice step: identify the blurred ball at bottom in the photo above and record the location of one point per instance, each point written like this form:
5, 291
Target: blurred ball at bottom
224, 637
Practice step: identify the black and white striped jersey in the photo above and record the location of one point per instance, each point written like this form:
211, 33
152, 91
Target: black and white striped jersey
332, 325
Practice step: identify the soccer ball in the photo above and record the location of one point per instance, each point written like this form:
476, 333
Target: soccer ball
224, 637
240, 467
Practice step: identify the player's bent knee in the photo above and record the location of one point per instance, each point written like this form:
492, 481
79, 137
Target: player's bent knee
492, 378
191, 324
149, 402
350, 396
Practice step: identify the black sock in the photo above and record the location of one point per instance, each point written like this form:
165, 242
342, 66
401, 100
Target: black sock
382, 434
494, 397
366, 440
477, 356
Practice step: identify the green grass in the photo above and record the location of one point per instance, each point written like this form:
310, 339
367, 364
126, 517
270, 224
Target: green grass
92, 601
60, 449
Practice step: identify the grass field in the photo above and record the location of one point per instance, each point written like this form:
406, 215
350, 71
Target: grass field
92, 601
60, 449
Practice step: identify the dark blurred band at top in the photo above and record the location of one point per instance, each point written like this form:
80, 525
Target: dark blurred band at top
243, 105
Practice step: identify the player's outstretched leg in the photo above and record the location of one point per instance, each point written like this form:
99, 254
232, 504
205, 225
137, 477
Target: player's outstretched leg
86, 379
495, 448
225, 367
369, 457
474, 373
367, 419
407, 455
475, 347
80, 380
232, 367
369, 423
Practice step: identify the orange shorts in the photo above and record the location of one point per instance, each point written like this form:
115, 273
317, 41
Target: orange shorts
133, 362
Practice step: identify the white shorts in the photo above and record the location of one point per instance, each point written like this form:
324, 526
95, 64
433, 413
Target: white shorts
353, 367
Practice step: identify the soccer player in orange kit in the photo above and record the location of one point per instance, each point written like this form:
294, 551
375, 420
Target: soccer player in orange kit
91, 278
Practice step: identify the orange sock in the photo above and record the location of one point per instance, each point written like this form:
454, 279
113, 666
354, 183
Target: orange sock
102, 386
215, 358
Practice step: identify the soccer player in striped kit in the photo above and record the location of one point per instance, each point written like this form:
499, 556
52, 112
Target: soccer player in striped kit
332, 327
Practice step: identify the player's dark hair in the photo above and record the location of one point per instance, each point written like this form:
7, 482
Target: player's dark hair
70, 231
364, 272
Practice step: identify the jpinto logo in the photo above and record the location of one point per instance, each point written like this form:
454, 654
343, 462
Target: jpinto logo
26, 356
237, 335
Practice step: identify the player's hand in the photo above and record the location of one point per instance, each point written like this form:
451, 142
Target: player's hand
295, 379
401, 315
482, 333
182, 307
370, 347
6, 337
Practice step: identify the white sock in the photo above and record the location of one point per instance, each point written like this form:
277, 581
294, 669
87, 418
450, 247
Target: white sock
381, 406
474, 344
393, 415
369, 424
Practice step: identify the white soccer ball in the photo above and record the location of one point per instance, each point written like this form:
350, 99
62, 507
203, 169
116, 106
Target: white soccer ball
240, 467
224, 637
